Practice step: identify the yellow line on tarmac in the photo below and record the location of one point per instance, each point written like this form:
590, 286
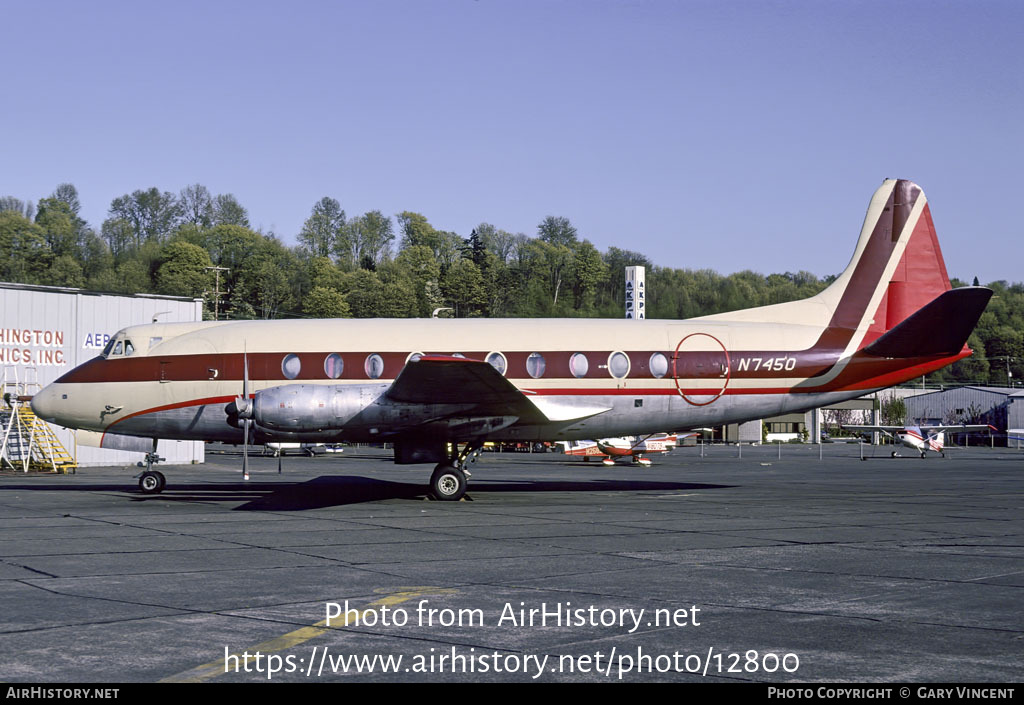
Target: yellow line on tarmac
300, 636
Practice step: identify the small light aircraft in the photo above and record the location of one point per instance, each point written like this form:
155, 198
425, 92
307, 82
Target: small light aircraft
430, 385
609, 449
921, 438
279, 449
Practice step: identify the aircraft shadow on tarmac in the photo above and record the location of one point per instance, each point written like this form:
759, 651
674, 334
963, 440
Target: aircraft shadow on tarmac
338, 490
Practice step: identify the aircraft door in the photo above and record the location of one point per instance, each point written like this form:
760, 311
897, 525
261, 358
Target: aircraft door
701, 368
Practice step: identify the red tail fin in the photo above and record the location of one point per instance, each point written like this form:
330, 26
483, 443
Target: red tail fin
897, 268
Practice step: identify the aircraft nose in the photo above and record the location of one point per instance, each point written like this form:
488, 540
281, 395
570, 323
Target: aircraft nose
45, 403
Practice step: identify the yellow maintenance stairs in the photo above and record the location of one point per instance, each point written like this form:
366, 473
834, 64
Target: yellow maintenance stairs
26, 441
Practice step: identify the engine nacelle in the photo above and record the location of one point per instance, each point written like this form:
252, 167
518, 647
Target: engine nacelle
301, 408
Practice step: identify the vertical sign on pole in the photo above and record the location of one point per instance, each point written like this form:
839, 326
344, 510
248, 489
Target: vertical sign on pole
636, 294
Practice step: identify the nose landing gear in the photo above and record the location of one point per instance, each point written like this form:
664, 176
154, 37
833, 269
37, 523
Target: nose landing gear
152, 481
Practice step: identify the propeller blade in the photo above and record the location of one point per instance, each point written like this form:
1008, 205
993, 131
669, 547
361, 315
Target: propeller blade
245, 450
247, 416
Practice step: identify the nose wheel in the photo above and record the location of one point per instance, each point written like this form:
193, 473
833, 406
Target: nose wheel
152, 482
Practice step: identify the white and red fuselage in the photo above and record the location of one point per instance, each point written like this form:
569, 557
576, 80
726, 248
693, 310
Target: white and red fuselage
632, 447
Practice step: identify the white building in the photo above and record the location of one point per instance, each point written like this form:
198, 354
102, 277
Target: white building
45, 331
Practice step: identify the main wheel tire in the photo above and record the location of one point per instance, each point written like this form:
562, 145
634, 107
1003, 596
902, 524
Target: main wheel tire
152, 482
447, 483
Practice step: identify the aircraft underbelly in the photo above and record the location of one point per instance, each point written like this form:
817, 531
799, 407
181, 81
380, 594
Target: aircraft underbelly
627, 415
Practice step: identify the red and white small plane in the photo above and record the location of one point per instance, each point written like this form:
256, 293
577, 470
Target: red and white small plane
439, 389
920, 438
610, 449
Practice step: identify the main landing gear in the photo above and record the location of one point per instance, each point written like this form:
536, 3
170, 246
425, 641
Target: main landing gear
449, 480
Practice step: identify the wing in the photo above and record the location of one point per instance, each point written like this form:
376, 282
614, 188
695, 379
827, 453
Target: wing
962, 428
437, 379
872, 429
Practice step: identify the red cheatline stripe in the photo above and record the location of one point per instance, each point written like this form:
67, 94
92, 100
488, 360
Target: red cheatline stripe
178, 405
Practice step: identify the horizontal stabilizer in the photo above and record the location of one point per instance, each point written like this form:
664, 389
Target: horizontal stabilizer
939, 328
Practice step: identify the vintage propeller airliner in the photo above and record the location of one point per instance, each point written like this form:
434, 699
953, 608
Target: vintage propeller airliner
438, 388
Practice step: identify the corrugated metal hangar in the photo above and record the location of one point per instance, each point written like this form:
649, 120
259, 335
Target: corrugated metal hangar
1001, 407
46, 331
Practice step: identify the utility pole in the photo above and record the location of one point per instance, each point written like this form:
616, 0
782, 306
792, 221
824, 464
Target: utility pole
216, 294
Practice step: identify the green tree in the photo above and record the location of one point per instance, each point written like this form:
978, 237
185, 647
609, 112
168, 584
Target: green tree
60, 226
463, 288
424, 272
228, 245
24, 256
25, 210
893, 410
588, 270
228, 211
500, 242
557, 231
68, 195
182, 270
132, 277
150, 214
368, 240
365, 295
323, 302
267, 279
398, 291
324, 229
548, 267
196, 205
323, 273
416, 231
96, 258
65, 271
119, 236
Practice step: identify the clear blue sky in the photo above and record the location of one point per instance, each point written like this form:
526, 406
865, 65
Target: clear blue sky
727, 135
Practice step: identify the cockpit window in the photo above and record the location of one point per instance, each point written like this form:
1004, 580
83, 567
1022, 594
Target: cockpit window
118, 348
109, 347
128, 348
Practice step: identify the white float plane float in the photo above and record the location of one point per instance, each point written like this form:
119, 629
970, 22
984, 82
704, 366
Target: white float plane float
439, 388
920, 438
